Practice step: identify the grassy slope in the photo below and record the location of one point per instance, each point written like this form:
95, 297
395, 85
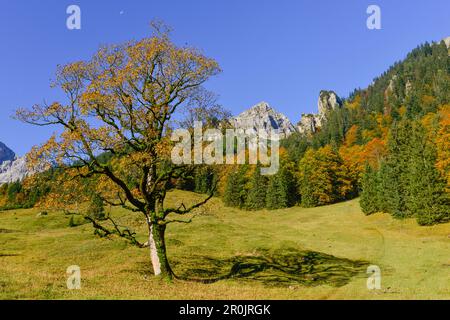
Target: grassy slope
415, 261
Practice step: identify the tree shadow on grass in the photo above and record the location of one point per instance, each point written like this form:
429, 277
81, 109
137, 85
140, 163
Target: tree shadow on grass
7, 230
279, 268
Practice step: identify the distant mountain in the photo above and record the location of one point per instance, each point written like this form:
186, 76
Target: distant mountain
12, 168
6, 154
263, 117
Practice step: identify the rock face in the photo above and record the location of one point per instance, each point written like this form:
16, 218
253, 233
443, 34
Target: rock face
447, 41
328, 100
12, 168
263, 117
309, 123
12, 171
6, 154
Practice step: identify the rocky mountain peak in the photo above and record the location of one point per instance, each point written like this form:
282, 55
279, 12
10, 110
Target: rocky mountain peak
261, 107
12, 168
263, 117
328, 100
6, 154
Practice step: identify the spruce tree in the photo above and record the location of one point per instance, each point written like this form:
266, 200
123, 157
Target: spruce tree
235, 193
395, 175
204, 179
427, 198
386, 188
257, 192
392, 190
276, 194
290, 185
369, 201
281, 190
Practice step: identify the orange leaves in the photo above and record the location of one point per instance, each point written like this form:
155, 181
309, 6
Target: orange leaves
351, 136
355, 157
41, 158
67, 191
353, 160
374, 151
443, 143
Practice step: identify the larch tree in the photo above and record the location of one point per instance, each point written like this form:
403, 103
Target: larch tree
122, 101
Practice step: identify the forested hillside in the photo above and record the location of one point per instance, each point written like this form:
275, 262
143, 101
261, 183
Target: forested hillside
389, 144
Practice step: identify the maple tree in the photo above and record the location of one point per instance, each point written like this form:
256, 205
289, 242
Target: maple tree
122, 101
323, 178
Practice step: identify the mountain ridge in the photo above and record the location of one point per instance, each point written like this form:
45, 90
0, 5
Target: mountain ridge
263, 117
6, 154
12, 167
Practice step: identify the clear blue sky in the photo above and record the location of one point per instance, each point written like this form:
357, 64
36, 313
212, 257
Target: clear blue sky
282, 52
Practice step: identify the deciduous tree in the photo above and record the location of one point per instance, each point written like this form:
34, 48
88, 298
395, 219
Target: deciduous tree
122, 101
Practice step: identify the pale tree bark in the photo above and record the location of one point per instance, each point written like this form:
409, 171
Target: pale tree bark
156, 263
158, 251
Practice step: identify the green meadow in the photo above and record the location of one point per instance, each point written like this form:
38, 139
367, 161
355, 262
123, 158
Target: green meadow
226, 253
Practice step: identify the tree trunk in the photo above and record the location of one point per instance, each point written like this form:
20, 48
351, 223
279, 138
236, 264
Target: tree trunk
158, 254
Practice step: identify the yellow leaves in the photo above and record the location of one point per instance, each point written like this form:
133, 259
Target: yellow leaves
428, 100
323, 175
92, 100
427, 122
355, 103
351, 136
121, 101
67, 191
402, 111
368, 134
41, 158
70, 77
163, 149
